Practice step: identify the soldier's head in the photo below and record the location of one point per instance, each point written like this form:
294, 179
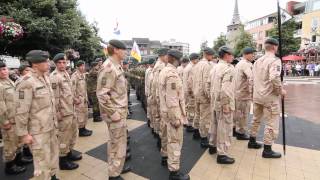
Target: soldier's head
151, 62
174, 57
60, 61
271, 45
39, 60
125, 64
4, 72
194, 58
24, 69
184, 61
248, 53
208, 53
81, 66
162, 52
99, 61
117, 50
226, 54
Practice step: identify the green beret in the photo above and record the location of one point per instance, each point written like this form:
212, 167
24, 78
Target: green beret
98, 59
59, 56
151, 61
2, 64
248, 50
194, 56
117, 44
272, 41
162, 51
94, 63
22, 68
209, 51
225, 50
125, 62
37, 56
79, 63
185, 60
175, 53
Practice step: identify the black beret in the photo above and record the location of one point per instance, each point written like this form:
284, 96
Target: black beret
59, 56
22, 68
79, 63
94, 63
185, 60
223, 50
248, 50
209, 51
2, 64
37, 56
194, 56
175, 53
151, 61
272, 41
162, 51
117, 44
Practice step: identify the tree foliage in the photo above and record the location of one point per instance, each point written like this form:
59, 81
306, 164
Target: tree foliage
220, 41
289, 42
51, 25
244, 40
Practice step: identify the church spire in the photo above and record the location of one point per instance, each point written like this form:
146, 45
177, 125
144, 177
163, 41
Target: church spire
236, 15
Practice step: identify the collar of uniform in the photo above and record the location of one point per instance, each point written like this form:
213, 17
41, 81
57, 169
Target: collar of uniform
36, 73
270, 54
244, 59
204, 59
171, 66
223, 61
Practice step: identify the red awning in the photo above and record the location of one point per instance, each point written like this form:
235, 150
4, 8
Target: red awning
293, 58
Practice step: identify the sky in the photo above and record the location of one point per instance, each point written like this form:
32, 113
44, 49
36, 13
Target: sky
191, 21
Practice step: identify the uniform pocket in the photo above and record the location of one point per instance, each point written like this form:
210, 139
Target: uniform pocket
42, 99
275, 109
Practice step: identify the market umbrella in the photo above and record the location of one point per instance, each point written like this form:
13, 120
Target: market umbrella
293, 58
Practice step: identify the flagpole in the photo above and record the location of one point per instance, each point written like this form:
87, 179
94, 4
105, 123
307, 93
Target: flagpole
282, 73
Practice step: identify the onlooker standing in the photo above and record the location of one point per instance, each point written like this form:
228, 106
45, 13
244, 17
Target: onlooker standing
316, 69
298, 69
311, 68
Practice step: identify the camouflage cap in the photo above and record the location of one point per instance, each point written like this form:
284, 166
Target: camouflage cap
79, 63
59, 56
117, 44
194, 56
151, 61
175, 53
272, 41
37, 56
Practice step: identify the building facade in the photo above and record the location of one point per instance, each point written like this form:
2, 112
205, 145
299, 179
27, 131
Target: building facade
173, 44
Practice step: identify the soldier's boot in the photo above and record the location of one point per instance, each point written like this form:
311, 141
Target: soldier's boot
196, 134
96, 117
158, 142
74, 156
253, 144
234, 132
164, 161
176, 175
66, 164
128, 149
190, 129
204, 142
54, 177
126, 168
128, 156
13, 169
242, 136
21, 160
148, 122
223, 159
26, 151
212, 149
116, 178
269, 153
83, 132
129, 116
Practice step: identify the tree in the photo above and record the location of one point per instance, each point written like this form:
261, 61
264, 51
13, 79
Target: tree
244, 40
51, 25
289, 42
220, 41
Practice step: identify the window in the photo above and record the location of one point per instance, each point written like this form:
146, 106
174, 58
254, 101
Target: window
314, 24
314, 38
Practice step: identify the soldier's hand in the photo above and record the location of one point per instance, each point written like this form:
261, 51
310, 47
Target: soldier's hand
59, 116
7, 126
27, 139
176, 124
283, 92
77, 101
226, 109
115, 117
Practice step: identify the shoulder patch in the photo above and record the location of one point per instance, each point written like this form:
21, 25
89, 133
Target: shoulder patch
54, 85
21, 94
103, 81
173, 86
